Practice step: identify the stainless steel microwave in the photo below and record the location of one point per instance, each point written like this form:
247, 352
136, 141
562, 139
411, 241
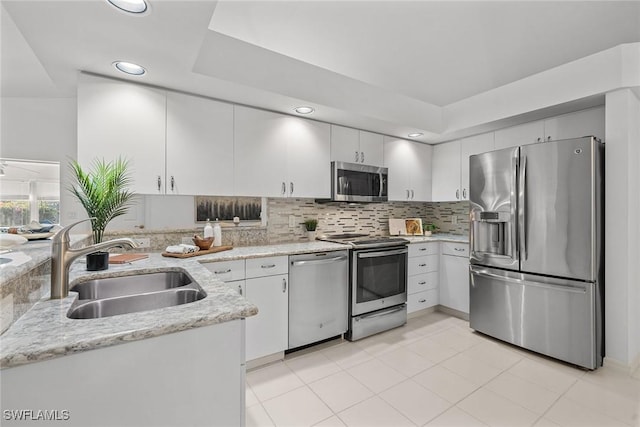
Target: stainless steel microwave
353, 182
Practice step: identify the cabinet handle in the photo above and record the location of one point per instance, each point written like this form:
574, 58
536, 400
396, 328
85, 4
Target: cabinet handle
422, 249
267, 265
459, 249
222, 271
422, 265
422, 283
284, 188
408, 194
240, 289
412, 194
284, 285
549, 138
173, 183
422, 300
458, 194
362, 157
464, 193
291, 188
357, 157
539, 139
159, 183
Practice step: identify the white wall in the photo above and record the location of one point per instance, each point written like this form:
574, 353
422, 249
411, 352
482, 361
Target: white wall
43, 129
622, 238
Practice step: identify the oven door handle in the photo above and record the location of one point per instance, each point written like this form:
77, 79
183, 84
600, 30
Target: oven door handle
381, 313
383, 253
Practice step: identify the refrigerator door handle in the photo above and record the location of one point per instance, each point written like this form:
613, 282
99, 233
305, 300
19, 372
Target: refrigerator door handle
565, 288
523, 208
514, 203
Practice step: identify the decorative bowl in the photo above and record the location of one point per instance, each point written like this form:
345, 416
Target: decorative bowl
203, 243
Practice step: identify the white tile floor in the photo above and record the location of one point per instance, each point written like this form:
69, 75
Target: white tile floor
435, 371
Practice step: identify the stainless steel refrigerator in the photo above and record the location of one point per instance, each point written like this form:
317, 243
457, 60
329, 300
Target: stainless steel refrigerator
536, 238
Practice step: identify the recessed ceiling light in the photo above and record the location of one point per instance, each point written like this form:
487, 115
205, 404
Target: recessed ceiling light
129, 68
304, 110
415, 135
133, 6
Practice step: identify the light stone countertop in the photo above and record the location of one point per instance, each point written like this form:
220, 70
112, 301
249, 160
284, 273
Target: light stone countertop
45, 332
441, 237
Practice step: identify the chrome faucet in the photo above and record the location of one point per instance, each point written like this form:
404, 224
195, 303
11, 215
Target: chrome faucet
62, 256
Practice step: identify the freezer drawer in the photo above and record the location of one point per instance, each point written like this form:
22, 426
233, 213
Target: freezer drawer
558, 318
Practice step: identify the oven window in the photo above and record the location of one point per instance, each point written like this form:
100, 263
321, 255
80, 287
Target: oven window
381, 277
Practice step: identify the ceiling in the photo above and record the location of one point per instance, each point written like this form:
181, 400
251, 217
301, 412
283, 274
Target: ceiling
386, 66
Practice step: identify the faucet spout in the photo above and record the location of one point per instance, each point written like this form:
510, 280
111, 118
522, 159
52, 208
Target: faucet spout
62, 256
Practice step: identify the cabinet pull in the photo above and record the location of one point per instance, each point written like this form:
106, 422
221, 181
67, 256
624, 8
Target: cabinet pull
459, 249
422, 249
458, 194
422, 265
222, 271
422, 283
549, 138
284, 285
357, 157
362, 157
240, 289
173, 183
267, 265
407, 194
159, 183
422, 300
284, 188
412, 194
539, 139
464, 193
291, 188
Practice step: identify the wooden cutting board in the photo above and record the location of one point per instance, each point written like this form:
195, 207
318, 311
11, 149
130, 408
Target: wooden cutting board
126, 258
192, 254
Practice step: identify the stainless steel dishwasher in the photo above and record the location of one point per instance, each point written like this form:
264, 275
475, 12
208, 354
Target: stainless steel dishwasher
318, 296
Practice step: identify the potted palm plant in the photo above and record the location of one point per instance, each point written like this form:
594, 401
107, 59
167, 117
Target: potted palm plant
310, 225
103, 192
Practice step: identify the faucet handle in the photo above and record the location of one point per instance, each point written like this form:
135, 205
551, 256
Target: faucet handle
62, 236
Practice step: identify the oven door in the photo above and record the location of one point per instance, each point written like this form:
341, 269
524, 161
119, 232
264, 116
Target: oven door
379, 279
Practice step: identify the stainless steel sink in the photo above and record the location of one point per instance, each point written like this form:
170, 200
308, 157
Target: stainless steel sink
131, 294
131, 285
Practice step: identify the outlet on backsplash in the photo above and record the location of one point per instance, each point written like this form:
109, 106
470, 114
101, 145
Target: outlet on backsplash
454, 219
292, 221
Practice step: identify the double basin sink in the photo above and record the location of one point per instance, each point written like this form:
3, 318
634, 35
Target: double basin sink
131, 294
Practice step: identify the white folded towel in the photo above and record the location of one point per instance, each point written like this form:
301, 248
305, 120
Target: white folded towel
182, 249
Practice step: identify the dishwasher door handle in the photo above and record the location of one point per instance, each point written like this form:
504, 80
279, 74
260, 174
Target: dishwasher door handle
319, 261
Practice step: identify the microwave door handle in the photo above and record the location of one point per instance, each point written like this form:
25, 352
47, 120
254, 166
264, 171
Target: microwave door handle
381, 185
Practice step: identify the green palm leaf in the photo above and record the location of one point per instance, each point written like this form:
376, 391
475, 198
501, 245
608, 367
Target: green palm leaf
102, 191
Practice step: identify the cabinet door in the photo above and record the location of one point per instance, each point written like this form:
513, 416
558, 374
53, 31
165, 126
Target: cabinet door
446, 172
371, 148
267, 331
468, 147
421, 172
260, 157
345, 144
454, 283
121, 119
199, 146
514, 136
397, 157
308, 158
575, 125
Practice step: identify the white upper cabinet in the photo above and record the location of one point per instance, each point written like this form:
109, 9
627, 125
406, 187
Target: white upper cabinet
409, 165
575, 125
356, 146
120, 119
199, 146
468, 147
525, 134
280, 156
572, 125
446, 172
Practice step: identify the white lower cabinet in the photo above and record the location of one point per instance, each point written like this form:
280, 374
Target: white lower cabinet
454, 276
264, 282
422, 276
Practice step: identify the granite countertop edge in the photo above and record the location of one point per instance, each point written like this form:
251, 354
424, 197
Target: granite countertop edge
45, 332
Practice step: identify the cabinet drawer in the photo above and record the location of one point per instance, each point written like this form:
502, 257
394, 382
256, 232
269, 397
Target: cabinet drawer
455, 249
227, 271
423, 264
420, 249
422, 282
268, 266
422, 300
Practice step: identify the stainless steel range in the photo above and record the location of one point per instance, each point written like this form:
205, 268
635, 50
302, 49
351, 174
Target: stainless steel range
378, 283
